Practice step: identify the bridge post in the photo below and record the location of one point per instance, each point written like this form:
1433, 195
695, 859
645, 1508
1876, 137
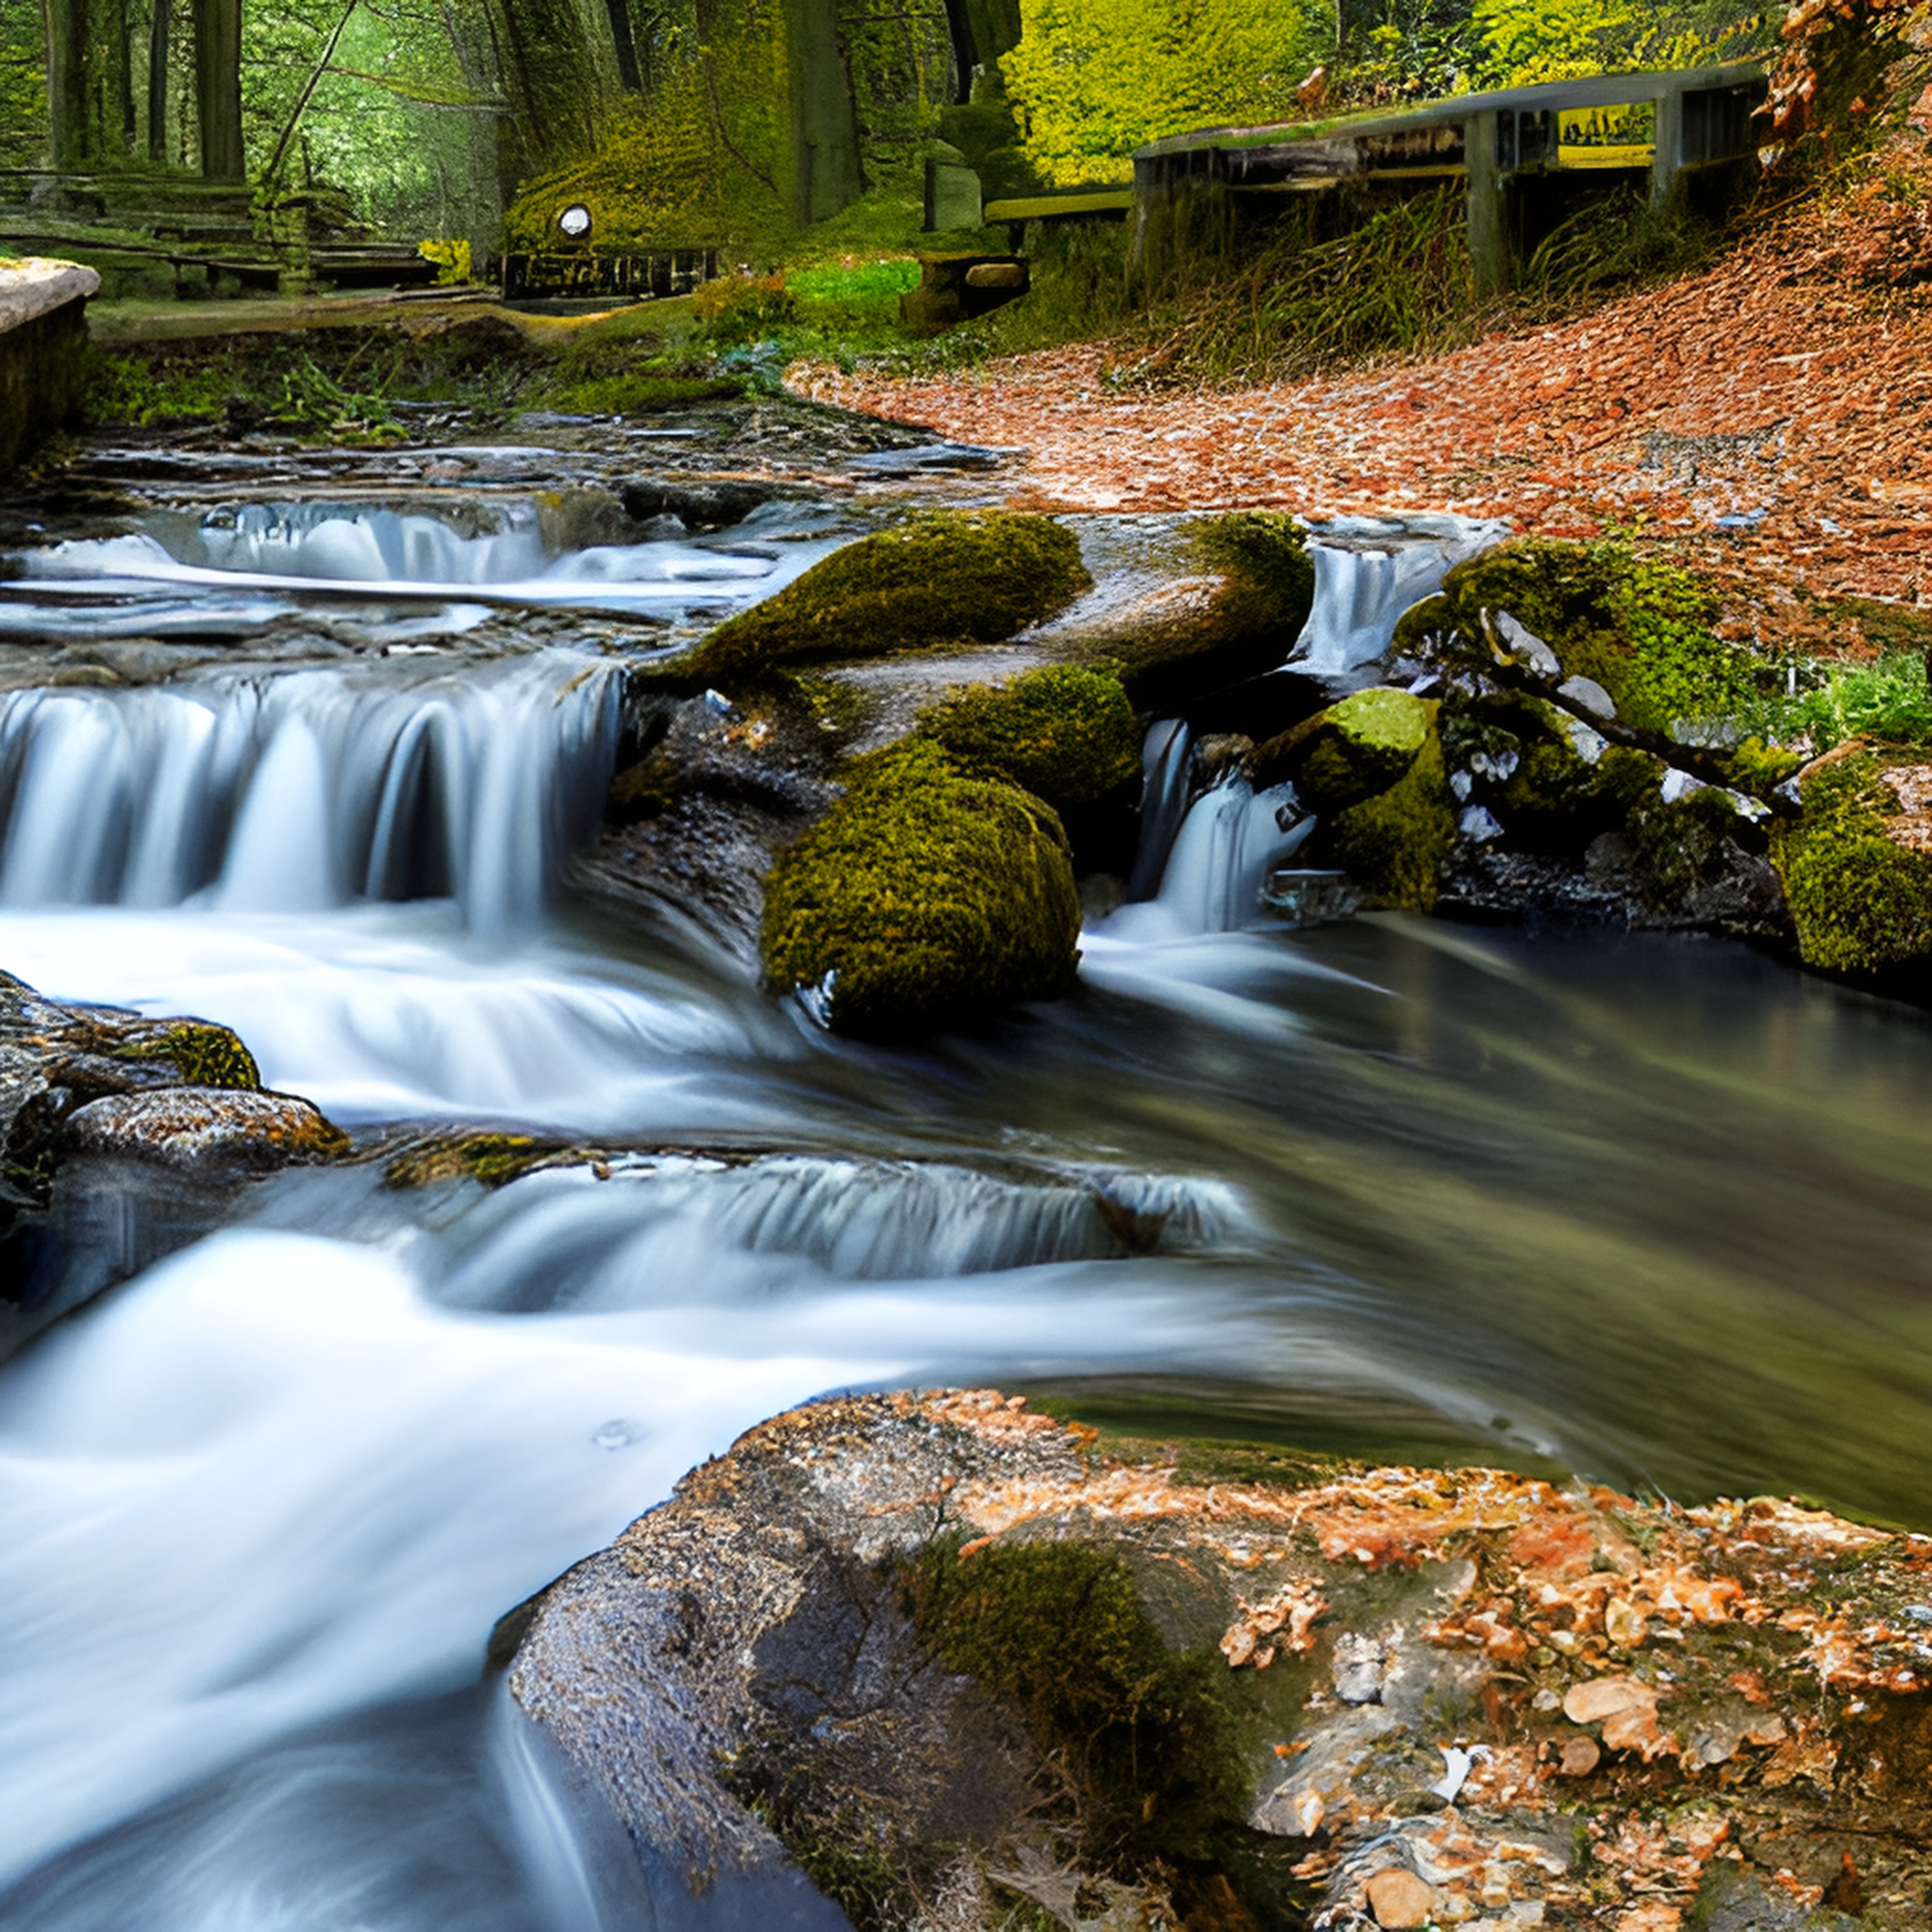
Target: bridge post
1182, 208
1667, 160
1489, 232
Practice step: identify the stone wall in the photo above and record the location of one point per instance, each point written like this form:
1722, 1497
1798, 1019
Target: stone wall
42, 333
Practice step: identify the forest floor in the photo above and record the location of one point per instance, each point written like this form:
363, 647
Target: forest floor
1769, 420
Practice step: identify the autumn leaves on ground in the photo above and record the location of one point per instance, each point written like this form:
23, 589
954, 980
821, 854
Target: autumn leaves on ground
1769, 419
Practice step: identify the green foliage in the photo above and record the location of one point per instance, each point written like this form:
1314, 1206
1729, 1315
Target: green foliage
23, 86
1888, 700
1093, 82
922, 898
1414, 50
1067, 735
941, 577
1529, 40
1396, 844
1611, 242
276, 380
1059, 1631
739, 308
1862, 904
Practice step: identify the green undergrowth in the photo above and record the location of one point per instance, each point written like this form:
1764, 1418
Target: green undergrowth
1066, 734
1887, 699
940, 578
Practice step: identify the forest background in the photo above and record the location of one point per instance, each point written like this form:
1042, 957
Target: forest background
740, 124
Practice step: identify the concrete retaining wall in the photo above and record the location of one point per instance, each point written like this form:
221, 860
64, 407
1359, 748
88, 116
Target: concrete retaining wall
42, 334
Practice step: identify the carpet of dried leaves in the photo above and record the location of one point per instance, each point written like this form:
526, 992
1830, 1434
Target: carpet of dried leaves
1770, 419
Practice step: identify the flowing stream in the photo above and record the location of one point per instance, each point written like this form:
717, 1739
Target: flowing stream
1653, 1210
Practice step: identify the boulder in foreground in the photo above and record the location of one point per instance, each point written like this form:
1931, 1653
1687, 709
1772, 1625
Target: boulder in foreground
960, 1662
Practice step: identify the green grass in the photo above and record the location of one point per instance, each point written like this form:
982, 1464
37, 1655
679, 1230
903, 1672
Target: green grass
1888, 700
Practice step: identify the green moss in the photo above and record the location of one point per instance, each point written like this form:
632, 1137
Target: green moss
1067, 735
923, 897
1682, 846
1354, 749
941, 578
1266, 552
1394, 846
1640, 627
1058, 1631
1861, 904
204, 1054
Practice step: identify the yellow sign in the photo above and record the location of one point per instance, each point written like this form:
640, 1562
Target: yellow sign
1624, 136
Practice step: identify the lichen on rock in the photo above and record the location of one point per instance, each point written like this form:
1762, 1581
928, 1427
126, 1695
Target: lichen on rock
940, 578
204, 1128
924, 897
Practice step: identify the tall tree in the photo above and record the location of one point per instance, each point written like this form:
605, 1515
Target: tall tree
824, 122
218, 88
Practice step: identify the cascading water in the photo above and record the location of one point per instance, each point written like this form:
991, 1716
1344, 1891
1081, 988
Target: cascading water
1368, 572
298, 791
260, 1507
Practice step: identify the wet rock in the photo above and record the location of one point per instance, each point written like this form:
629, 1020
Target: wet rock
205, 1129
700, 503
925, 897
1349, 752
940, 578
936, 1645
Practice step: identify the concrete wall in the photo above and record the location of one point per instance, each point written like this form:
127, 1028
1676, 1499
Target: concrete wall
42, 334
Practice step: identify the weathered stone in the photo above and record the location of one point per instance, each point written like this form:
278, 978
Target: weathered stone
204, 1128
43, 335
1399, 1899
936, 1642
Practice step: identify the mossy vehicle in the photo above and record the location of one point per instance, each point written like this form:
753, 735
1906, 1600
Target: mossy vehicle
1066, 734
924, 897
941, 578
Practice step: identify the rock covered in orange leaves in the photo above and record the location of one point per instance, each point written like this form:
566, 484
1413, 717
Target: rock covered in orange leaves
943, 1648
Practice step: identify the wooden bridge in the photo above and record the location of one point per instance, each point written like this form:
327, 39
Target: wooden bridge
1523, 156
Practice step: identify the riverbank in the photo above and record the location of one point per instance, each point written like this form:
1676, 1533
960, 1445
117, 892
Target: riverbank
1767, 421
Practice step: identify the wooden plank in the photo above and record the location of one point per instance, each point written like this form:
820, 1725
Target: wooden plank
1044, 208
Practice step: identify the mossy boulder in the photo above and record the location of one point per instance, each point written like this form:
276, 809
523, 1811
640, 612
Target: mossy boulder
1239, 622
1640, 627
1860, 901
924, 897
1396, 844
1349, 752
941, 579
1066, 734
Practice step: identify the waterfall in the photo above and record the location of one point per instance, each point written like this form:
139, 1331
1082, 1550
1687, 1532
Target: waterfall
1232, 838
1368, 572
293, 792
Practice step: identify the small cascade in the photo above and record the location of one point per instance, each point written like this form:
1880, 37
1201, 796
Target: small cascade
1232, 838
296, 792
1201, 859
1369, 570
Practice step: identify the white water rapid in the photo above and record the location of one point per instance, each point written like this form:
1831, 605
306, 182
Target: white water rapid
297, 792
1654, 1212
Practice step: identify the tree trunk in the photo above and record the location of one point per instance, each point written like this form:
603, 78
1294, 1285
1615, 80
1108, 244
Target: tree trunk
158, 84
70, 116
825, 128
218, 88
625, 44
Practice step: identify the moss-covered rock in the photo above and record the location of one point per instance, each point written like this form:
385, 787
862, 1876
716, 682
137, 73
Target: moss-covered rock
1066, 734
1861, 903
941, 578
1347, 753
1396, 844
1242, 621
201, 1053
923, 896
1638, 628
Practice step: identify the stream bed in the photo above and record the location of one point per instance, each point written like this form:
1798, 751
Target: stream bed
1653, 1211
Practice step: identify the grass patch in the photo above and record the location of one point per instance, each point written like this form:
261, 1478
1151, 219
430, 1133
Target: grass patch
1887, 699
